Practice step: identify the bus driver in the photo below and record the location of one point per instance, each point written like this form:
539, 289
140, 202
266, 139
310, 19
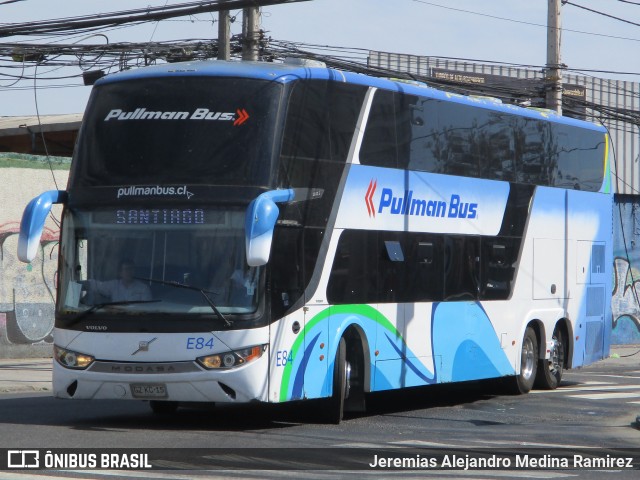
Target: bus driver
124, 289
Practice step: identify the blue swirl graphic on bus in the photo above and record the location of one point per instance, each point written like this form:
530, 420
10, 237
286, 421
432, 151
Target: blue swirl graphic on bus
464, 346
466, 341
298, 383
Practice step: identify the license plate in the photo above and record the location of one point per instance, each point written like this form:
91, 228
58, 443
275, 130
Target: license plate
149, 390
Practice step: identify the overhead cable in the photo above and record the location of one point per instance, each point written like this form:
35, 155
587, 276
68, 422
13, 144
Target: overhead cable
141, 15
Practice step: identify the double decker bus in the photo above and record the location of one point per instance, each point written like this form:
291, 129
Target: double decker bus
293, 233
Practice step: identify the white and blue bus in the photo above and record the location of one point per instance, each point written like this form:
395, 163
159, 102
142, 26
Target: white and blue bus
295, 233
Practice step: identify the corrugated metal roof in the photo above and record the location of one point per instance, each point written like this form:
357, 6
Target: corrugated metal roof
11, 126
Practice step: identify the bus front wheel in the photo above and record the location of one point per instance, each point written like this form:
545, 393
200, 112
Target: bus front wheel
334, 406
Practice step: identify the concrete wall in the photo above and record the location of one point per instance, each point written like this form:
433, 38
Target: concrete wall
26, 290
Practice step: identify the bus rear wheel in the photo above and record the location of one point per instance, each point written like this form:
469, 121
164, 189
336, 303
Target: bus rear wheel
550, 370
528, 363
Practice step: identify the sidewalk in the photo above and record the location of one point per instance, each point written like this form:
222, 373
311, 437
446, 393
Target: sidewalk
34, 374
25, 375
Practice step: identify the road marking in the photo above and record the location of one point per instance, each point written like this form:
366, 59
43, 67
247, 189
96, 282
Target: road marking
605, 375
606, 396
594, 388
603, 388
510, 443
423, 443
360, 445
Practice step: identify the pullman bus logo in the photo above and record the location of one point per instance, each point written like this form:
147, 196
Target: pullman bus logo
368, 198
407, 203
141, 113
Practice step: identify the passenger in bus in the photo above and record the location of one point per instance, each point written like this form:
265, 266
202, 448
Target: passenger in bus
124, 289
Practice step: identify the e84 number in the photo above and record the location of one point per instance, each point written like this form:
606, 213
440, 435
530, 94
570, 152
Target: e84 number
199, 343
283, 357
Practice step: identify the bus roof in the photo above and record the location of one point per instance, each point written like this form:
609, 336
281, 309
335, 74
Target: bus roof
286, 73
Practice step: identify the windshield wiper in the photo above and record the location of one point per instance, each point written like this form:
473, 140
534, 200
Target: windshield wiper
99, 306
202, 291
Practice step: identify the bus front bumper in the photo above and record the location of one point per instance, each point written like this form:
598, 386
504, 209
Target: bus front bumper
170, 381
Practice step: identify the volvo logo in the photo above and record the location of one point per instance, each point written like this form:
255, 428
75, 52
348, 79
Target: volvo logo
143, 346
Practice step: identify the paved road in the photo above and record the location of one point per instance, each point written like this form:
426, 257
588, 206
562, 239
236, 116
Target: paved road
594, 409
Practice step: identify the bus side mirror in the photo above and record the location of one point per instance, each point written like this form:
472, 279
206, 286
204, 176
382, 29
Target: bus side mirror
260, 220
33, 220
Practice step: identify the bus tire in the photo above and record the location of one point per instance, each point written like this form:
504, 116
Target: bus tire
334, 407
163, 408
550, 370
528, 363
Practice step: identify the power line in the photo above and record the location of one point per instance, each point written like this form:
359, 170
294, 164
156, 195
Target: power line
506, 91
89, 23
198, 49
522, 22
566, 2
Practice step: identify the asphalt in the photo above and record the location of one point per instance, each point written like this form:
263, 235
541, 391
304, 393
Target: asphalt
34, 374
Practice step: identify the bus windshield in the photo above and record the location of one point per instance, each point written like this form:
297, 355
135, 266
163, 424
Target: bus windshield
156, 261
191, 130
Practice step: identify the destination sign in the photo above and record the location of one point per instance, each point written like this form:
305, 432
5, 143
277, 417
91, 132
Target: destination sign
160, 216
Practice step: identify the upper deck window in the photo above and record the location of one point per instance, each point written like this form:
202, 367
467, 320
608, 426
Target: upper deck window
424, 134
190, 130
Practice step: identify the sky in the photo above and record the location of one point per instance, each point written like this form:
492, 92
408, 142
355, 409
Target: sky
510, 31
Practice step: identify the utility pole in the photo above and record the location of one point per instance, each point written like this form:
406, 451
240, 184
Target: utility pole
553, 74
250, 33
224, 35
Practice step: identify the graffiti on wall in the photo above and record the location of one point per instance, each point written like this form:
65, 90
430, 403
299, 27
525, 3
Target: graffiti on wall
626, 238
624, 303
27, 291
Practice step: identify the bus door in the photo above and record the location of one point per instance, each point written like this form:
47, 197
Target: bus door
317, 352
592, 276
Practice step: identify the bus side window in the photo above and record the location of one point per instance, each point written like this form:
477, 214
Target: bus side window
498, 257
426, 269
462, 262
81, 259
355, 269
391, 269
380, 144
424, 147
284, 265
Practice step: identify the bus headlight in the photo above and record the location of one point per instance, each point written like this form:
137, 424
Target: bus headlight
71, 359
232, 359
